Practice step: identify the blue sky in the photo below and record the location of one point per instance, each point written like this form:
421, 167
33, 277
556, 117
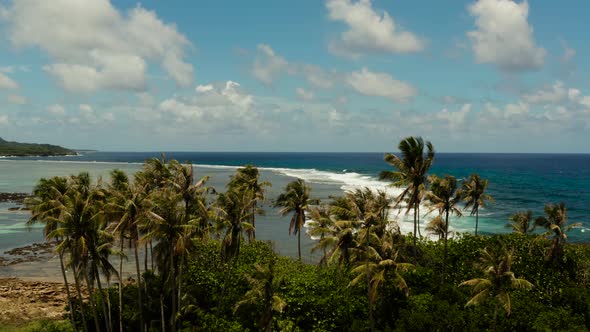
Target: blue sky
332, 75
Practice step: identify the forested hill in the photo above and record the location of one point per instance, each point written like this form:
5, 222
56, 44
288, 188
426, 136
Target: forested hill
29, 149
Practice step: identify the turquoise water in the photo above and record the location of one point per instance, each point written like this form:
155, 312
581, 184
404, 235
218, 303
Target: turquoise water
517, 181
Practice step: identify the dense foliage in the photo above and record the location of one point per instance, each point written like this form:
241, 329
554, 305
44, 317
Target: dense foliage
30, 149
203, 269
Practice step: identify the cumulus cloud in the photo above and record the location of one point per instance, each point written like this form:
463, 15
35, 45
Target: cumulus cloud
554, 94
503, 36
304, 94
317, 76
369, 30
94, 46
380, 84
267, 64
7, 82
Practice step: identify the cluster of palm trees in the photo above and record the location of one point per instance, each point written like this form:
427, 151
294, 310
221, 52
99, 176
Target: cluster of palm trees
163, 210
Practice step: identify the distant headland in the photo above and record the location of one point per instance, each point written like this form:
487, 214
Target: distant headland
30, 149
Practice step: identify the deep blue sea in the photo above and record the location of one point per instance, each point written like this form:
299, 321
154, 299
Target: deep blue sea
517, 182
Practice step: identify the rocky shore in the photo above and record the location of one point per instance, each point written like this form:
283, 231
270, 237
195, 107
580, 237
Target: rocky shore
13, 197
31, 253
22, 301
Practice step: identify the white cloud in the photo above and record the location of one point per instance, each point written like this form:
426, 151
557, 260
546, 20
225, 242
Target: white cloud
204, 88
268, 64
304, 94
369, 30
56, 110
380, 84
455, 120
554, 94
503, 36
86, 108
7, 82
3, 120
317, 76
94, 40
568, 52
17, 99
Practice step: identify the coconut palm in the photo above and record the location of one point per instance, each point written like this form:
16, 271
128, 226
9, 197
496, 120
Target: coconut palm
444, 198
296, 199
522, 222
247, 179
410, 172
233, 209
555, 221
474, 196
173, 233
47, 198
497, 282
436, 226
127, 207
263, 283
342, 243
320, 226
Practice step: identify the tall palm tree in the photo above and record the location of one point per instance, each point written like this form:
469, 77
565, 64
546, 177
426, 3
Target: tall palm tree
47, 198
296, 199
233, 209
444, 198
473, 193
264, 284
555, 221
497, 282
321, 226
410, 172
173, 233
247, 179
522, 222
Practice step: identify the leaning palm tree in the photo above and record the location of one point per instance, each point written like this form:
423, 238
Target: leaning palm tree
47, 198
444, 198
473, 193
497, 282
296, 199
555, 221
247, 179
410, 172
264, 284
522, 222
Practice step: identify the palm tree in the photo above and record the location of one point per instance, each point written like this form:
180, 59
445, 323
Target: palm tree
233, 215
444, 198
263, 285
173, 233
296, 199
320, 226
522, 222
410, 172
247, 179
127, 206
473, 193
555, 221
436, 226
497, 282
48, 197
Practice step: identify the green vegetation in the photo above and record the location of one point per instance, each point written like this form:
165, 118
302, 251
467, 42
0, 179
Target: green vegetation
199, 273
29, 149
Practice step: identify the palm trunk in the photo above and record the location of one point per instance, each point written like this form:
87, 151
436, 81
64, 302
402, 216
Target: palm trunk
70, 305
172, 279
418, 218
369, 300
102, 301
162, 316
139, 289
151, 255
145, 257
91, 300
445, 246
415, 231
121, 286
109, 307
254, 221
80, 299
179, 283
494, 327
477, 221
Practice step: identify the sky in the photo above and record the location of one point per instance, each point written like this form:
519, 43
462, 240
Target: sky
310, 75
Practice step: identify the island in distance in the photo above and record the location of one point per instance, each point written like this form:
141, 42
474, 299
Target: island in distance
16, 149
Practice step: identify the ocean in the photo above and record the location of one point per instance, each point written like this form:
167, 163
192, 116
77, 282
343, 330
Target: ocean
517, 182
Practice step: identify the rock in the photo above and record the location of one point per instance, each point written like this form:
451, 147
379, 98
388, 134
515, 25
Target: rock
13, 197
